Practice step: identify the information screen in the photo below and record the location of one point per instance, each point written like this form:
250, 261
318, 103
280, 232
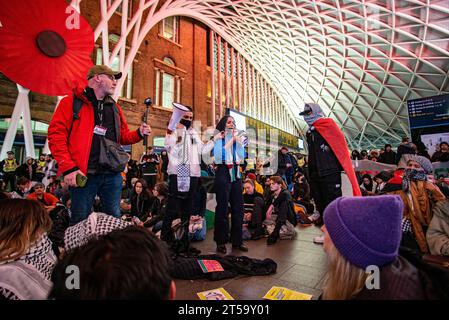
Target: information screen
429, 112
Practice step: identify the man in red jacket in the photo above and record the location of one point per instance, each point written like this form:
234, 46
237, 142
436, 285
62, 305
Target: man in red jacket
75, 142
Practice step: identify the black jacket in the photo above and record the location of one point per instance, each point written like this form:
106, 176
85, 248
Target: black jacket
404, 149
282, 160
23, 171
158, 210
141, 205
405, 280
301, 190
388, 157
322, 161
283, 208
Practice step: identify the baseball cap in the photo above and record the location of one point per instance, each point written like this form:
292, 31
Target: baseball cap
307, 110
103, 69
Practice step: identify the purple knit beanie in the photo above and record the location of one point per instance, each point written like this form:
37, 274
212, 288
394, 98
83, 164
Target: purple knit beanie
366, 230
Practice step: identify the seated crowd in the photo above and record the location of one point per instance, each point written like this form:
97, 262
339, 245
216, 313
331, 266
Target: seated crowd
400, 223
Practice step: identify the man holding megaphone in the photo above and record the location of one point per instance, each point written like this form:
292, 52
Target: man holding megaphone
184, 148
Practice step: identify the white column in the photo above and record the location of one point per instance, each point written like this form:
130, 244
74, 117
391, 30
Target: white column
22, 102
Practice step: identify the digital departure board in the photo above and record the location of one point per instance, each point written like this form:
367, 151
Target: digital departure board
429, 112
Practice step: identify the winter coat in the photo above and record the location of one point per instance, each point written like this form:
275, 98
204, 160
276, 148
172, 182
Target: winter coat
70, 140
388, 157
322, 160
400, 280
438, 232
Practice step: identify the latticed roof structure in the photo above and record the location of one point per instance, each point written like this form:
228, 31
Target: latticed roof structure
361, 60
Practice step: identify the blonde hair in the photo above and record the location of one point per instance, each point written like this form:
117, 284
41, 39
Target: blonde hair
344, 281
22, 223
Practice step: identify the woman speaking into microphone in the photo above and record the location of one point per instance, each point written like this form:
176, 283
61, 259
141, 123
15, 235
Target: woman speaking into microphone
229, 153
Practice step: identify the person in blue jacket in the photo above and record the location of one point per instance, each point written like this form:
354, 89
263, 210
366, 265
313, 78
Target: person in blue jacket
229, 154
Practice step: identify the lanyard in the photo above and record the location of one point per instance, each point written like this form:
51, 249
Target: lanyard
100, 112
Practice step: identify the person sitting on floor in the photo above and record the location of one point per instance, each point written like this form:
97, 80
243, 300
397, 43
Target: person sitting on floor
158, 209
257, 186
106, 272
26, 255
141, 200
381, 180
253, 208
419, 195
365, 232
438, 232
301, 192
47, 199
368, 185
282, 207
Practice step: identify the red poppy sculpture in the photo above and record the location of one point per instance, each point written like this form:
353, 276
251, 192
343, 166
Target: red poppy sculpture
45, 45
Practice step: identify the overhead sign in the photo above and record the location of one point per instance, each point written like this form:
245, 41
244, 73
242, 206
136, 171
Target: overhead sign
429, 112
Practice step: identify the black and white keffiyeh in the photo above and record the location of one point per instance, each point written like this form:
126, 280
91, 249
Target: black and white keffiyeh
96, 225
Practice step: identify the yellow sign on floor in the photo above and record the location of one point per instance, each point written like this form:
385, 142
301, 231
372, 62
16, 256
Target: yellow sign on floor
280, 293
215, 294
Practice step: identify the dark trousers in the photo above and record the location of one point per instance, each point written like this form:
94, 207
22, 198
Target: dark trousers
257, 215
228, 193
179, 205
10, 177
150, 180
325, 189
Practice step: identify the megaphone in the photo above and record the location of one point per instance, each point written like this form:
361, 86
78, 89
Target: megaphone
178, 112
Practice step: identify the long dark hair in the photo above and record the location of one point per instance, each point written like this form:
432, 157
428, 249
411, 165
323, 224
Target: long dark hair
145, 194
368, 187
221, 125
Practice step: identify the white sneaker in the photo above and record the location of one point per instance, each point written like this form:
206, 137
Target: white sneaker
318, 240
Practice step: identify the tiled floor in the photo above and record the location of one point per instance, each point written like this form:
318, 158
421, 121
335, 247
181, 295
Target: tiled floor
301, 265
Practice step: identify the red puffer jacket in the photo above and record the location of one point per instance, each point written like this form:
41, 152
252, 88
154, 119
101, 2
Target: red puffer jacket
72, 150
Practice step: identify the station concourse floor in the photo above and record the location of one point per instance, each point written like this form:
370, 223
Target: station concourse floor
300, 266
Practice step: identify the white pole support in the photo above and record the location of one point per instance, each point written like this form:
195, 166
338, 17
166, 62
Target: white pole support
21, 103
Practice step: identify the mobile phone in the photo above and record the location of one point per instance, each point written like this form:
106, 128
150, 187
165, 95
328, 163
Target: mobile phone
81, 180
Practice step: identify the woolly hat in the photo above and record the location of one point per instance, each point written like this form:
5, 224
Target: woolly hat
366, 230
423, 161
251, 176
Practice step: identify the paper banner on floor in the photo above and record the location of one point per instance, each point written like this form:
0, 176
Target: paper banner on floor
215, 294
280, 293
210, 266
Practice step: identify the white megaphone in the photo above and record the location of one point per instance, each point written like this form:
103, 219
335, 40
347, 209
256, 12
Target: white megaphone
178, 111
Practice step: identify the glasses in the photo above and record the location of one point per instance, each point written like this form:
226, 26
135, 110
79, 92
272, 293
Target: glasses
187, 118
112, 78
